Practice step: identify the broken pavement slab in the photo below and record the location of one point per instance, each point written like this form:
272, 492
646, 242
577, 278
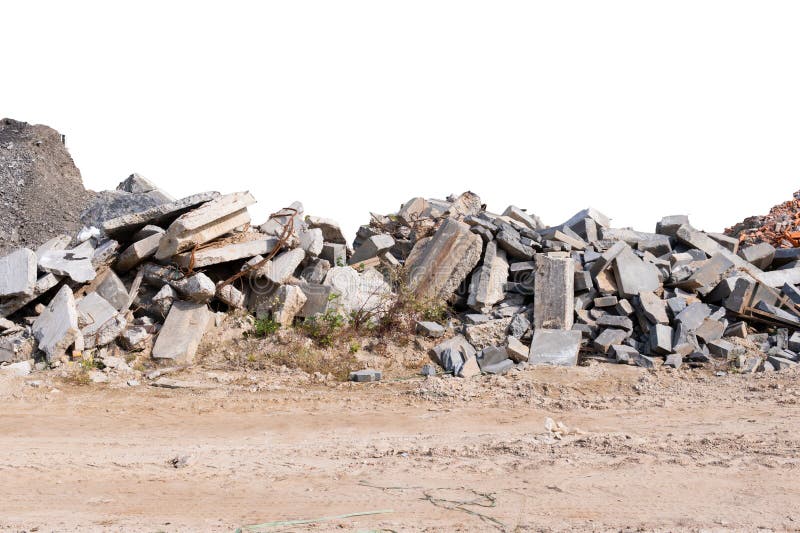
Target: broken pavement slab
77, 265
435, 268
226, 252
160, 215
182, 332
207, 222
57, 327
18, 272
555, 347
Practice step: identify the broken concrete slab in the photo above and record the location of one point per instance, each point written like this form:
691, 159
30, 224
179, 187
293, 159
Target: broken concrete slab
331, 232
43, 284
18, 274
365, 293
334, 253
225, 253
207, 222
288, 301
230, 296
182, 332
93, 312
112, 289
554, 293
57, 327
491, 333
436, 267
279, 269
521, 216
486, 287
77, 265
634, 275
366, 376
160, 215
760, 255
311, 241
430, 329
138, 252
517, 352
555, 347
608, 338
372, 247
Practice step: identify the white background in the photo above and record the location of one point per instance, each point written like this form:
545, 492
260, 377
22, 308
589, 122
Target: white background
640, 109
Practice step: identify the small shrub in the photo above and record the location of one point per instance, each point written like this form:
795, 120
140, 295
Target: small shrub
324, 329
264, 327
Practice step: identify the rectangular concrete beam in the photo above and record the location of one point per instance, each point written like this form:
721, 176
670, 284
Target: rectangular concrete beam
554, 292
182, 332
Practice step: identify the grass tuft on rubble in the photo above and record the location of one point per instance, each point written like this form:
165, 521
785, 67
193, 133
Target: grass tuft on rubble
263, 327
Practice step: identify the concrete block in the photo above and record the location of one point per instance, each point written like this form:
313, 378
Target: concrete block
609, 337
555, 347
225, 253
634, 275
606, 301
658, 245
709, 275
113, 290
93, 312
674, 360
517, 351
583, 281
372, 247
56, 328
280, 268
509, 240
366, 376
18, 274
182, 332
315, 271
437, 266
331, 232
710, 330
554, 300
77, 265
606, 283
661, 339
670, 225
207, 222
760, 255
623, 353
319, 299
615, 321
731, 244
653, 307
430, 329
359, 292
138, 252
643, 361
486, 287
693, 316
469, 369
721, 348
312, 241
124, 226
624, 308
230, 296
531, 221
334, 253
491, 333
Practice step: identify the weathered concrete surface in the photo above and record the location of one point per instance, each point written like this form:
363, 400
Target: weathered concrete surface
113, 290
331, 231
225, 253
365, 292
486, 287
182, 332
18, 273
93, 312
75, 264
160, 215
57, 327
279, 269
43, 284
436, 267
207, 222
138, 252
554, 294
555, 347
283, 305
634, 275
372, 247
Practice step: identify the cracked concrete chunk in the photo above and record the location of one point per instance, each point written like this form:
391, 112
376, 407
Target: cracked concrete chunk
18, 274
57, 327
73, 263
555, 347
182, 332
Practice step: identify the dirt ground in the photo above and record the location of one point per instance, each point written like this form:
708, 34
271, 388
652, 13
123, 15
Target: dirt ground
644, 450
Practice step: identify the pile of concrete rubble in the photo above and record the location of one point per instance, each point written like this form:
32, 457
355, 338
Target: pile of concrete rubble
151, 274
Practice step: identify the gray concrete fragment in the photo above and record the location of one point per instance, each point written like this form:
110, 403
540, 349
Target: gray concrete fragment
198, 288
311, 240
207, 222
661, 339
555, 347
230, 296
218, 254
113, 290
75, 264
57, 327
334, 253
435, 268
430, 329
126, 225
279, 269
634, 275
60, 242
93, 312
43, 284
554, 293
372, 247
365, 293
315, 271
670, 225
531, 221
182, 332
760, 255
330, 230
18, 274
164, 299
517, 352
486, 288
366, 376
138, 252
653, 307
608, 338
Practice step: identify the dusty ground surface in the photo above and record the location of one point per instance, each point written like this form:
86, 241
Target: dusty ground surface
660, 450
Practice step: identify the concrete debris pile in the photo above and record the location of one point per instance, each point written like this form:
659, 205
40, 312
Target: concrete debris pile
775, 228
149, 274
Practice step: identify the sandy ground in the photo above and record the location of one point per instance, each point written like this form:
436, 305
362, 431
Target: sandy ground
659, 450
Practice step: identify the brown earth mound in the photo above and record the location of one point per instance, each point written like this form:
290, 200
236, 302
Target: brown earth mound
41, 191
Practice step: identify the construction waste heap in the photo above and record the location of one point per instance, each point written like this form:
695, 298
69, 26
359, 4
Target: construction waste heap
149, 274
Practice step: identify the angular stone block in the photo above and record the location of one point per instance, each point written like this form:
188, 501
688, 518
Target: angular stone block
554, 294
57, 327
126, 225
18, 274
182, 332
486, 288
555, 347
436, 267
